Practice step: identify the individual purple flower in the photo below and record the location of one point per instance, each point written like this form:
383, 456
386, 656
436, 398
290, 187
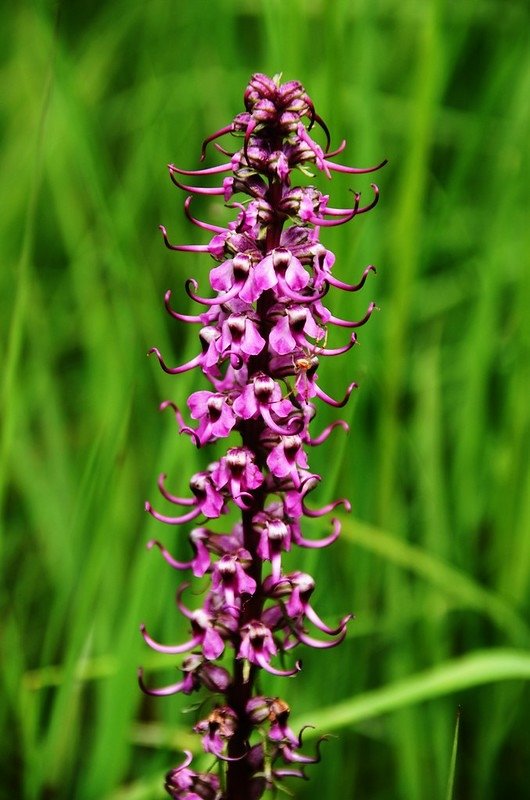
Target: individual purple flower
230, 278
238, 474
286, 457
215, 415
263, 397
204, 635
292, 325
258, 647
208, 499
217, 730
261, 336
183, 783
275, 537
240, 335
208, 358
197, 672
230, 579
276, 712
279, 269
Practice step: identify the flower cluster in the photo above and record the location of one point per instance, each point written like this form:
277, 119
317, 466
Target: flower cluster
261, 337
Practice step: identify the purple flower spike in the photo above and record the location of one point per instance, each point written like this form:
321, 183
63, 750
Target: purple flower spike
262, 334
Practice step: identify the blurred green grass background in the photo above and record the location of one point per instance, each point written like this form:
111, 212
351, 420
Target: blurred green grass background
435, 558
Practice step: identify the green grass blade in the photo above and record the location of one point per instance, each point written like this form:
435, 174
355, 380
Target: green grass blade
454, 752
475, 669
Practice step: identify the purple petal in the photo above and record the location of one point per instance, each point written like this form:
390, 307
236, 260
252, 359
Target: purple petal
198, 403
281, 673
278, 463
201, 562
253, 476
212, 645
247, 585
167, 556
246, 405
165, 691
327, 540
222, 277
225, 423
169, 649
213, 503
296, 276
252, 342
264, 274
172, 520
281, 338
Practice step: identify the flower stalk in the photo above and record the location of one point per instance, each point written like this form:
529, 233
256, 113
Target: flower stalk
261, 337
